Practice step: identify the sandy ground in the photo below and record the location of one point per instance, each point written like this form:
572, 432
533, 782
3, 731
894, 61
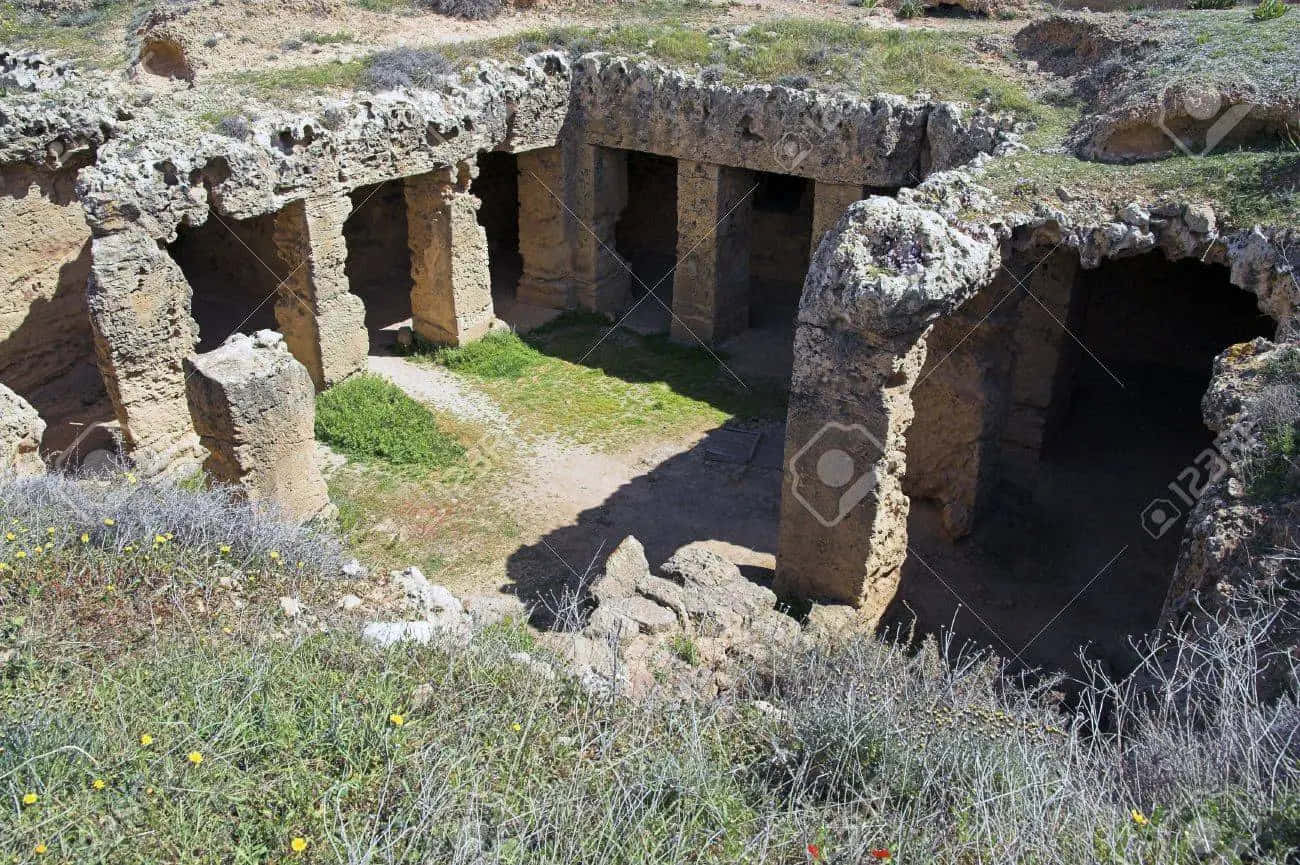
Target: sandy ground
575, 504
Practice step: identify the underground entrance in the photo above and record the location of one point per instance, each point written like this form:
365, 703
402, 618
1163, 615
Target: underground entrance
234, 269
379, 262
1058, 554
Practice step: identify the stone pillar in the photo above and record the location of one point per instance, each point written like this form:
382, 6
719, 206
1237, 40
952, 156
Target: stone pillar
139, 305
1045, 356
714, 222
830, 200
843, 534
254, 408
451, 287
570, 198
860, 345
323, 323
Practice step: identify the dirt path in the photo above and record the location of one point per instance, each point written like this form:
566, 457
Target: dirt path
574, 504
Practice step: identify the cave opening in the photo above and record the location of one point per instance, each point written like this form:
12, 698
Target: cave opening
1056, 421
235, 271
497, 189
378, 264
646, 237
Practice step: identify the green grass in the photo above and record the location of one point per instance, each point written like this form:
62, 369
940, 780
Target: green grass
370, 418
334, 75
840, 56
93, 37
338, 37
1248, 187
569, 378
497, 355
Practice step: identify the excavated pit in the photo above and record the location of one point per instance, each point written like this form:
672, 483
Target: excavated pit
1057, 554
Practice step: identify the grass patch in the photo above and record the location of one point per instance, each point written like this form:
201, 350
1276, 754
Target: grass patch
1249, 187
841, 56
338, 37
573, 379
497, 355
370, 418
334, 75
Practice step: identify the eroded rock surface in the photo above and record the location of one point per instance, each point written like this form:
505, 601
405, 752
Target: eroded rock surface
253, 406
21, 429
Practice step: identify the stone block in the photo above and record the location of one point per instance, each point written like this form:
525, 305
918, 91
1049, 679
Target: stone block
21, 429
253, 406
714, 224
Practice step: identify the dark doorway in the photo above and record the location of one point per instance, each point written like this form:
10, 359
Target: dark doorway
1067, 554
379, 261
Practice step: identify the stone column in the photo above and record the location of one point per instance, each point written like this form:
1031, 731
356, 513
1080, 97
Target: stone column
322, 322
140, 315
830, 200
714, 223
843, 534
254, 408
860, 345
451, 287
570, 198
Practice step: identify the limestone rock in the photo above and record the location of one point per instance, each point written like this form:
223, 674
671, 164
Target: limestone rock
385, 634
253, 406
494, 609
21, 429
31, 71
428, 599
624, 568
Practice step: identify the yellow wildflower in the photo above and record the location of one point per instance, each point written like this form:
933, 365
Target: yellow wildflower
110, 587
21, 554
194, 757
1139, 818
129, 548
30, 798
4, 566
396, 720
40, 849
130, 477
300, 565
99, 783
85, 538
109, 521
159, 539
225, 549
50, 531
273, 556
298, 844
515, 726
9, 536
146, 739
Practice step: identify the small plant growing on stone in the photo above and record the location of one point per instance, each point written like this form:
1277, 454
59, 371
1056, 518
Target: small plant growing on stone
1267, 10
910, 9
795, 82
685, 649
475, 10
404, 67
235, 126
